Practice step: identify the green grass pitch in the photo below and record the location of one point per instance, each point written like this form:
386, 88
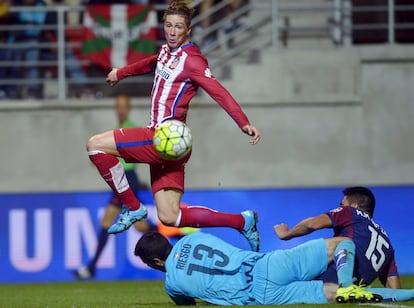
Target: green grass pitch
115, 294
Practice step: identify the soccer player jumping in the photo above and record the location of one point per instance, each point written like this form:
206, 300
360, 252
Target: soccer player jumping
180, 69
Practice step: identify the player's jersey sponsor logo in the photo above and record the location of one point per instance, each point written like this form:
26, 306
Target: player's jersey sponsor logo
163, 73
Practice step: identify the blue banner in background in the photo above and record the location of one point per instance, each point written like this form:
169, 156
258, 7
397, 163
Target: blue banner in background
44, 236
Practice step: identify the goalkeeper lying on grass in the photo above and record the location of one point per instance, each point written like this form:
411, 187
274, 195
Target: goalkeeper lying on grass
202, 266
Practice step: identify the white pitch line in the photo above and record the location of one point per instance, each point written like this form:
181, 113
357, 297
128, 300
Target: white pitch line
386, 305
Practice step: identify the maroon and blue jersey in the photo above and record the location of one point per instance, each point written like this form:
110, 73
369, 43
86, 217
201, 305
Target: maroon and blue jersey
374, 253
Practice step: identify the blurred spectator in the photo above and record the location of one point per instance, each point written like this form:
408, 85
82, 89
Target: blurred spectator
230, 24
74, 69
207, 37
233, 23
30, 37
5, 54
160, 15
96, 2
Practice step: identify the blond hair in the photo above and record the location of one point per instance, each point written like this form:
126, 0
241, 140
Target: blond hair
180, 7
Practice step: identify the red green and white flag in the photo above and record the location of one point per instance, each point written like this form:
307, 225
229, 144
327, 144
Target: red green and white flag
118, 34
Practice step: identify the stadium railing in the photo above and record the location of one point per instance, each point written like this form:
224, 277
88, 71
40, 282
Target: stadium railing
258, 24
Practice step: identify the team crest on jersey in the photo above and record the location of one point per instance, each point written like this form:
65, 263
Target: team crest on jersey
174, 63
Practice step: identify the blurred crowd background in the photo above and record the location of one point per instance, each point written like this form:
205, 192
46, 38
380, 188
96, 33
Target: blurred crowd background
63, 48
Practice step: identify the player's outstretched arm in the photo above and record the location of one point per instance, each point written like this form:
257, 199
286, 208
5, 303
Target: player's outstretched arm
143, 66
304, 227
282, 231
253, 132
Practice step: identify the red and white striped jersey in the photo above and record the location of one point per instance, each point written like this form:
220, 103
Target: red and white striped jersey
178, 75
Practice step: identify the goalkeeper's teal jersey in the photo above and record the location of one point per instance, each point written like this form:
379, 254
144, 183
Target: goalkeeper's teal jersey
203, 266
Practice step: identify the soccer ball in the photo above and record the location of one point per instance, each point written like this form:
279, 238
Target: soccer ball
172, 139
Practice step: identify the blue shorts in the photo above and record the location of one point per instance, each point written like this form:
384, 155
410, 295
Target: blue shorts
284, 276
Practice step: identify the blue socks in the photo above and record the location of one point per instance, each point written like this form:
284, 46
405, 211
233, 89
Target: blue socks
344, 258
393, 295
